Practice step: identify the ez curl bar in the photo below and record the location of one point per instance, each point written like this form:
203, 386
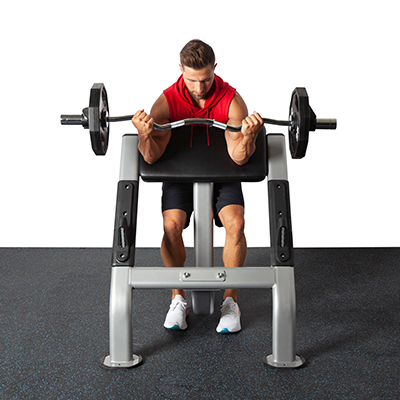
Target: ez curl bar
302, 120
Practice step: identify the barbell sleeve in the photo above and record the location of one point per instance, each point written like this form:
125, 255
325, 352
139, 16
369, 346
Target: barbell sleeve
326, 123
76, 119
71, 119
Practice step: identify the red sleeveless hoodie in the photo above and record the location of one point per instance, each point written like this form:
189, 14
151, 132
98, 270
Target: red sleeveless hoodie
217, 104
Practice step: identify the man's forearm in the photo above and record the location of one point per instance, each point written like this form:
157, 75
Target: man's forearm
243, 151
150, 149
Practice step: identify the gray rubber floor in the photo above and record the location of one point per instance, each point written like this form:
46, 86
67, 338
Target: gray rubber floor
54, 331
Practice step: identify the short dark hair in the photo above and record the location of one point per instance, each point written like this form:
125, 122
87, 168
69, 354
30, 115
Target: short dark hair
197, 55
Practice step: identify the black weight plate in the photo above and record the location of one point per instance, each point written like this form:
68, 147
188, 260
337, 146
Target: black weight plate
299, 114
98, 123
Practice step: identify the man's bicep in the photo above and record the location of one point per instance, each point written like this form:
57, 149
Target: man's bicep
160, 113
160, 110
237, 113
237, 110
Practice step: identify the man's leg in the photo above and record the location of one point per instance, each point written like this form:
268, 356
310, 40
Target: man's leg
232, 218
173, 250
235, 249
174, 254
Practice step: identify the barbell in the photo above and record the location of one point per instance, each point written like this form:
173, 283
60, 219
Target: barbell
302, 120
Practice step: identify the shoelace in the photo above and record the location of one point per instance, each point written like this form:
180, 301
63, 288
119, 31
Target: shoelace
177, 304
228, 309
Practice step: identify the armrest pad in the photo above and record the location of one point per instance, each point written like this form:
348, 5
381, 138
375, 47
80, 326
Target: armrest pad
203, 163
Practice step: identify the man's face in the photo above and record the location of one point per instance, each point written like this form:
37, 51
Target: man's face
198, 81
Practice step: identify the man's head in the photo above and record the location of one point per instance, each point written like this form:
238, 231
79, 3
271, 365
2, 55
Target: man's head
197, 55
197, 66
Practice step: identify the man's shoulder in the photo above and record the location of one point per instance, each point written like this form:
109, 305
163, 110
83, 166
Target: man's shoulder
238, 108
238, 100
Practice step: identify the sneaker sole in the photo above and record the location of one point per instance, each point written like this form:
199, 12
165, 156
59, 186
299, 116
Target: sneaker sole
226, 330
175, 328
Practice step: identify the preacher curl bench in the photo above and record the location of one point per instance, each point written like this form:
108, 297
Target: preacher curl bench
203, 164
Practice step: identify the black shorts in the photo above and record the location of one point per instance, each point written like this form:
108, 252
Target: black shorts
180, 196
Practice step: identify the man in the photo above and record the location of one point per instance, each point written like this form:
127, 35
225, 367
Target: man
199, 93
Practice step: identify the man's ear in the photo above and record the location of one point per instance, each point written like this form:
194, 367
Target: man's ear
181, 68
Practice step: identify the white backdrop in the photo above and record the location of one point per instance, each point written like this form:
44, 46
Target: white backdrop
56, 193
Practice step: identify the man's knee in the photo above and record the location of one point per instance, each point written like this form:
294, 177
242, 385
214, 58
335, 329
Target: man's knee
235, 226
174, 222
232, 218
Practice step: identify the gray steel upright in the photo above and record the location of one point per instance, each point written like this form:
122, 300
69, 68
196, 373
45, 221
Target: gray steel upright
203, 301
120, 319
283, 291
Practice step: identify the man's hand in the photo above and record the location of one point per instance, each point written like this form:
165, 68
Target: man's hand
143, 123
251, 125
242, 145
152, 144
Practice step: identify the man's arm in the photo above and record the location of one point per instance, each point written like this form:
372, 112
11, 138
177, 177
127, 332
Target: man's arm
152, 144
241, 145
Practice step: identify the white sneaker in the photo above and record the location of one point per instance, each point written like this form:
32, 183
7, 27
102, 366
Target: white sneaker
176, 316
230, 317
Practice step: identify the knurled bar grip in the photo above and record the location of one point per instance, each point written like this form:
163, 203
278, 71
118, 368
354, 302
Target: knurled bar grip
213, 123
189, 121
